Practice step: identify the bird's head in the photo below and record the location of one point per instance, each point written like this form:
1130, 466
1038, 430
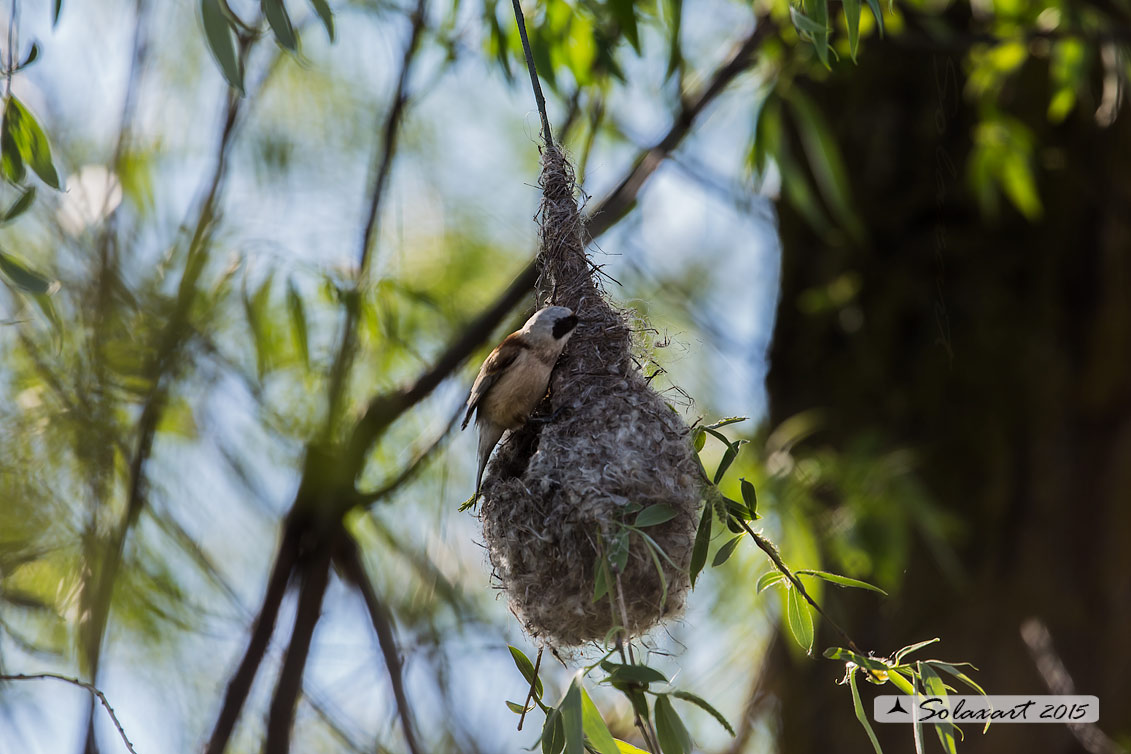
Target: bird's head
551, 326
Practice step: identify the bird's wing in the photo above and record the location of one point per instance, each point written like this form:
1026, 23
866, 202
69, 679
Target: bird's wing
501, 358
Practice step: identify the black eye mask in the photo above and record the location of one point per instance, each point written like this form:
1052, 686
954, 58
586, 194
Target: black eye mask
564, 325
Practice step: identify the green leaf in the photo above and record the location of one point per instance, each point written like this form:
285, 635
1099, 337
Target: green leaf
221, 42
702, 542
517, 708
636, 674
594, 726
847, 655
32, 56
858, 706
726, 551
624, 747
618, 554
825, 161
58, 6
23, 277
553, 733
624, 14
11, 164
933, 686
913, 648
687, 696
600, 578
817, 32
19, 206
769, 579
30, 140
852, 21
833, 578
522, 662
280, 22
750, 497
655, 514
572, 719
897, 679
954, 671
322, 8
726, 421
874, 5
799, 619
674, 738
698, 439
258, 319
298, 322
728, 458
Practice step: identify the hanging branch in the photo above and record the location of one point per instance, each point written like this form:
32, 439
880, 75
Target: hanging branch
81, 684
538, 98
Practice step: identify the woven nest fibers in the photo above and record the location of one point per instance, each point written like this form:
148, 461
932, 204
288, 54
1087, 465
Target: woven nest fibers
561, 500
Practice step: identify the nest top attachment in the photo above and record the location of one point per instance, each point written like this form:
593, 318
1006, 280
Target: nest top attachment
560, 499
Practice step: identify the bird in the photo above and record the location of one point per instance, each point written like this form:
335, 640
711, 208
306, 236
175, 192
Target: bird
514, 378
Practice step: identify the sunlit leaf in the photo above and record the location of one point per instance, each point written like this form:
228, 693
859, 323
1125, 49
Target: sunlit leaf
768, 579
833, 578
799, 619
858, 707
852, 22
595, 728
874, 5
30, 140
553, 733
221, 42
933, 686
913, 648
624, 747
674, 738
572, 719
517, 708
641, 674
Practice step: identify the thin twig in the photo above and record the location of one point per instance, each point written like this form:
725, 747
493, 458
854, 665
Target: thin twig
547, 136
383, 161
349, 560
413, 468
82, 684
533, 686
645, 726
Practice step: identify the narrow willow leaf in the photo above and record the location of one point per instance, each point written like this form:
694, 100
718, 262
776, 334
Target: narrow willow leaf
517, 708
522, 662
728, 458
280, 23
913, 648
655, 514
699, 701
726, 421
641, 674
624, 14
572, 718
19, 206
600, 578
702, 542
553, 733
769, 579
800, 621
847, 655
852, 21
674, 738
874, 5
624, 747
618, 554
31, 141
858, 706
805, 24
954, 671
221, 42
298, 322
934, 686
724, 553
699, 439
750, 497
32, 56
11, 164
839, 580
900, 682
322, 8
58, 7
23, 277
595, 728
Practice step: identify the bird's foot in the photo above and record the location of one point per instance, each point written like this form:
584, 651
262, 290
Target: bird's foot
547, 419
469, 503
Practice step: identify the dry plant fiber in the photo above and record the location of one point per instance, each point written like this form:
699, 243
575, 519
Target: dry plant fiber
558, 493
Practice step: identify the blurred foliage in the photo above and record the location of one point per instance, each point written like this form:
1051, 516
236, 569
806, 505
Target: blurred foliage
168, 365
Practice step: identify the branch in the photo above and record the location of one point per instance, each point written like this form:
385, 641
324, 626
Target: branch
349, 560
539, 100
382, 165
316, 576
81, 684
240, 685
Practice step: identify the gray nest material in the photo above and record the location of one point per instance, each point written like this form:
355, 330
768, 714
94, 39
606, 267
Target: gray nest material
557, 493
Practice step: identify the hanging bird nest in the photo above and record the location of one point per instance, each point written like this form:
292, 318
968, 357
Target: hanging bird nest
559, 497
